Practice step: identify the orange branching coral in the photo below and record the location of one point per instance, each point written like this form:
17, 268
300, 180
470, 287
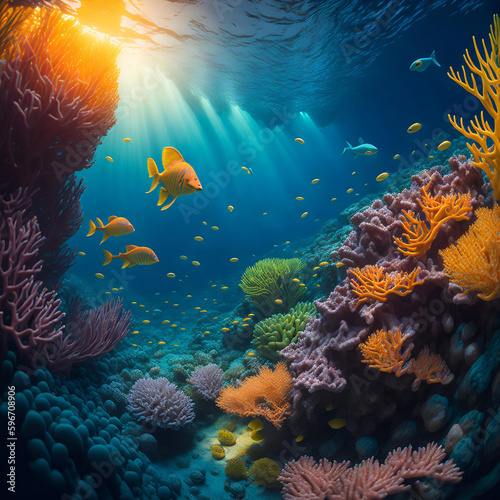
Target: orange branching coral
429, 367
373, 282
383, 351
486, 151
265, 395
474, 262
437, 209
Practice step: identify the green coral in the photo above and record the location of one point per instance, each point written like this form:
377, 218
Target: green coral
275, 333
270, 284
264, 472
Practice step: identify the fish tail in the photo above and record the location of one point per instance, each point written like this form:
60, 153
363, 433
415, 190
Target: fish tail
153, 172
433, 57
107, 257
345, 149
92, 228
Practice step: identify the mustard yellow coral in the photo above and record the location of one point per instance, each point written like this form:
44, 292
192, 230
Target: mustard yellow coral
226, 438
264, 472
486, 151
217, 452
474, 262
236, 469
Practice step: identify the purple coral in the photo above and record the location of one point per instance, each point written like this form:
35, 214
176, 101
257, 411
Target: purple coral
208, 380
158, 402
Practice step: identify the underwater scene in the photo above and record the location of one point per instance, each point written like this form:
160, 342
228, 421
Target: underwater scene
250, 249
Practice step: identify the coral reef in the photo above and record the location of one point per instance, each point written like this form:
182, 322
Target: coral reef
207, 380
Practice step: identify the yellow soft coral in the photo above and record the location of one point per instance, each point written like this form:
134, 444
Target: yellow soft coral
373, 282
487, 150
382, 350
474, 262
437, 209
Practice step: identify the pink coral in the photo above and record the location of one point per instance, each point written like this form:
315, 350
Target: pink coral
207, 380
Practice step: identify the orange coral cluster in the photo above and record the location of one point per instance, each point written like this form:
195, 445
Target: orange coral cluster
486, 151
375, 283
474, 262
437, 209
265, 395
382, 350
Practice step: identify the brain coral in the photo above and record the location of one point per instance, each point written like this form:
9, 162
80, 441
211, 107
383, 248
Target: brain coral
157, 401
275, 333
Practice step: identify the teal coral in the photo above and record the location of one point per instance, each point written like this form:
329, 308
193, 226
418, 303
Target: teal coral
275, 333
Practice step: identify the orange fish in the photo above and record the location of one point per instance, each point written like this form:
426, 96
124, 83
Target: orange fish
116, 226
178, 177
143, 256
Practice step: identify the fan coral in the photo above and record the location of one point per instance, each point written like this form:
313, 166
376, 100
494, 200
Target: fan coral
474, 262
272, 279
236, 469
265, 394
91, 334
158, 402
487, 158
382, 350
430, 367
264, 472
226, 438
437, 210
374, 283
368, 480
207, 380
275, 333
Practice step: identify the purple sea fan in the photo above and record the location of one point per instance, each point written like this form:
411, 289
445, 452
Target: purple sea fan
158, 402
208, 380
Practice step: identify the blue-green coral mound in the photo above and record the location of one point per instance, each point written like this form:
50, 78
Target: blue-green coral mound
275, 333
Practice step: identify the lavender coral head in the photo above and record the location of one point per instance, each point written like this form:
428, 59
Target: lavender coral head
208, 380
157, 401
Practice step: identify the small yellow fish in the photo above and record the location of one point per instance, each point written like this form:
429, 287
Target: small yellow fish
142, 256
195, 263
353, 173
183, 257
176, 345
323, 264
115, 290
142, 305
314, 275
337, 423
299, 198
382, 176
109, 158
299, 140
224, 329
206, 333
224, 287
161, 342
198, 238
197, 307
431, 156
415, 127
265, 213
350, 190
127, 139
173, 325
165, 321
134, 302
251, 354
146, 321
315, 268
107, 293
333, 199
339, 264
203, 222
287, 242
99, 275
230, 208
215, 228
247, 319
304, 215
235, 322
135, 333
314, 181
278, 301
298, 439
116, 226
245, 324
234, 259
135, 345
82, 254
296, 280
203, 311
396, 157
444, 145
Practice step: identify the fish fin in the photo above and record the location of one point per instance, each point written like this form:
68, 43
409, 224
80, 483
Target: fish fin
170, 204
126, 263
153, 172
170, 155
92, 228
163, 196
360, 140
348, 147
130, 247
100, 222
104, 238
433, 58
112, 217
107, 257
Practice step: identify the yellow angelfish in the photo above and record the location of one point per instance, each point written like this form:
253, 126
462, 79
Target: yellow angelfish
116, 226
178, 177
142, 256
